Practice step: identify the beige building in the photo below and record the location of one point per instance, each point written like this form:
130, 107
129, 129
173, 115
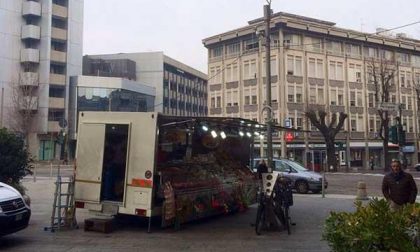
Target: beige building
41, 47
314, 64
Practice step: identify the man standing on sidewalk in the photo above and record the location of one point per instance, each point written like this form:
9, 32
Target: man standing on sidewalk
399, 187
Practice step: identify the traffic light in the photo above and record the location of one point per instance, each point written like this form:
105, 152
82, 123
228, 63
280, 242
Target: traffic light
393, 134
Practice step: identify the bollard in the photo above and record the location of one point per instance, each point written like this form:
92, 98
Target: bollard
361, 191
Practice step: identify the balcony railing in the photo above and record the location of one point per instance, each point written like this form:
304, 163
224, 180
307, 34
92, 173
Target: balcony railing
31, 8
58, 56
29, 55
59, 11
29, 79
31, 32
58, 79
56, 103
58, 33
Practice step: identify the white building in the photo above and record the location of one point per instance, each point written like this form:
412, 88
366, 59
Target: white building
41, 47
180, 89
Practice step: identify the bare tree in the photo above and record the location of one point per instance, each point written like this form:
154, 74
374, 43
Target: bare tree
381, 75
24, 104
328, 130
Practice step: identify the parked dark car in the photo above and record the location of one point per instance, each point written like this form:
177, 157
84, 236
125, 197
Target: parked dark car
303, 180
14, 211
417, 167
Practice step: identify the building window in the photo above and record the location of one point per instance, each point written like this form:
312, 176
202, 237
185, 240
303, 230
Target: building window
353, 50
231, 98
273, 67
355, 73
251, 44
215, 75
340, 97
250, 69
231, 72
371, 52
403, 57
216, 52
290, 94
320, 96
336, 70
250, 96
352, 98
293, 41
359, 99
353, 123
385, 54
371, 124
334, 47
294, 65
233, 49
371, 99
333, 97
313, 44
312, 95
299, 95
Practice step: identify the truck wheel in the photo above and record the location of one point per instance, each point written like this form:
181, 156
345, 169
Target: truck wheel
302, 187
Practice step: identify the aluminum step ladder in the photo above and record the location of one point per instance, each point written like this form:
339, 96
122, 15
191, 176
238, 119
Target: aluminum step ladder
64, 210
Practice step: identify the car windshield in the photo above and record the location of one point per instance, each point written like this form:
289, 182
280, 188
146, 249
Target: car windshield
296, 166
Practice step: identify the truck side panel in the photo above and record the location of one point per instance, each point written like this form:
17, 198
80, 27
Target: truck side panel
90, 153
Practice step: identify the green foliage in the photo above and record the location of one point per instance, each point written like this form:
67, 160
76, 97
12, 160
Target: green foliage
374, 228
15, 160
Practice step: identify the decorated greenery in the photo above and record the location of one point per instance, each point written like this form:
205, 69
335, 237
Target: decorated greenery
14, 159
374, 227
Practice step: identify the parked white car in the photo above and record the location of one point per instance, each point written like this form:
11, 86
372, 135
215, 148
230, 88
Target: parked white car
14, 211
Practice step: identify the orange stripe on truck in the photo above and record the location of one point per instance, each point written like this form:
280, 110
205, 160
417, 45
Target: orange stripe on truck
141, 183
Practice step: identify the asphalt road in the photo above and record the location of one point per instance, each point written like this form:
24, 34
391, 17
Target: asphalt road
346, 183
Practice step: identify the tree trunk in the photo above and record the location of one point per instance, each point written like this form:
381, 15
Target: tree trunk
331, 159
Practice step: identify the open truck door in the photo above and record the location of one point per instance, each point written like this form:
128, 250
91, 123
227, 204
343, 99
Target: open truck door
90, 150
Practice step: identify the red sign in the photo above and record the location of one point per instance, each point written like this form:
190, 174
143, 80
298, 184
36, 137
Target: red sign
288, 136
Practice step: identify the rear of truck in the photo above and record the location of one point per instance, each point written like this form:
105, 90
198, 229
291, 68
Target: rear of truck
116, 163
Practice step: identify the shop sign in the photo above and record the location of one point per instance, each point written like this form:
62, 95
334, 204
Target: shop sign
408, 149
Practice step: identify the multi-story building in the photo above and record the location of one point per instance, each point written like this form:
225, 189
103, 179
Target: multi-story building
180, 89
314, 65
41, 43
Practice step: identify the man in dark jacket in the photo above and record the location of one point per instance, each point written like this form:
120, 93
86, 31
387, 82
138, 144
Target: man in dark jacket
399, 187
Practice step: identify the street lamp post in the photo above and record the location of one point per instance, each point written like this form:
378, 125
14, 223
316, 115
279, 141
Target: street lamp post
267, 15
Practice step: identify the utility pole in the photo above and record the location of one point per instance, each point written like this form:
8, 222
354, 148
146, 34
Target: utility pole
267, 16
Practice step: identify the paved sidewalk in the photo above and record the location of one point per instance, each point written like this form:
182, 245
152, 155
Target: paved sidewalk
224, 233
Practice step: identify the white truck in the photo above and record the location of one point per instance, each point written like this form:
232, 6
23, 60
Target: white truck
176, 168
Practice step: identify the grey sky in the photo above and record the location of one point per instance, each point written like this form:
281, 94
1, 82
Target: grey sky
178, 26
